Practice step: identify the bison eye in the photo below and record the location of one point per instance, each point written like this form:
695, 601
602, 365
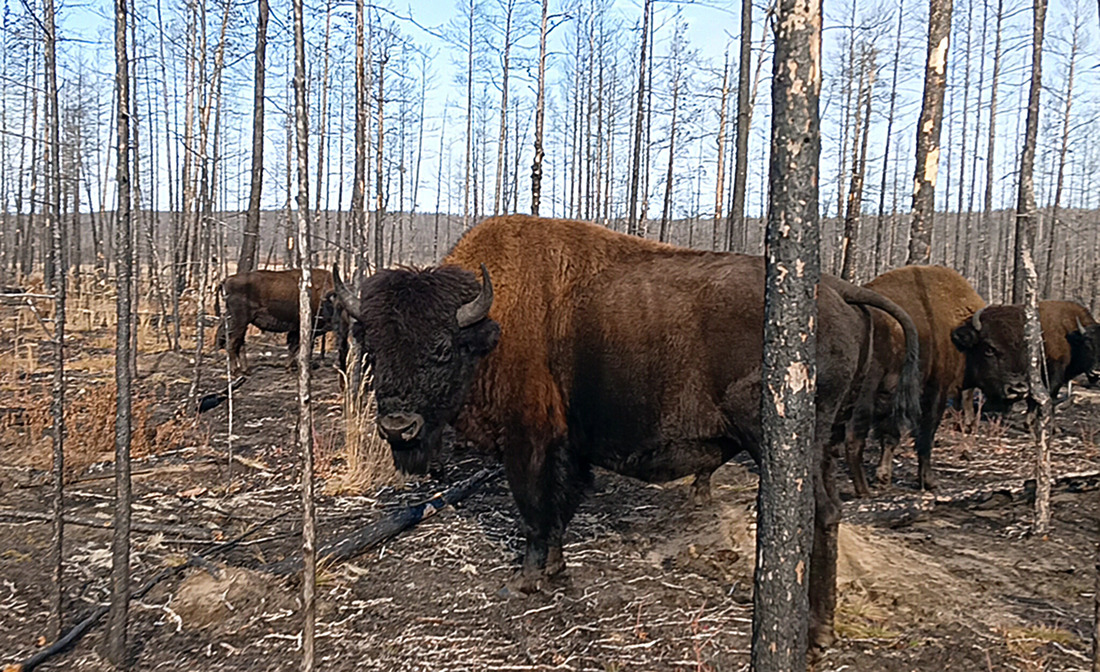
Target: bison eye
989, 351
442, 351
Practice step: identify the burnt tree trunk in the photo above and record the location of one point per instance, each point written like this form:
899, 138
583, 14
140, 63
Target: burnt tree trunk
735, 221
985, 268
720, 178
636, 165
540, 113
785, 506
57, 254
120, 548
928, 132
1026, 216
251, 239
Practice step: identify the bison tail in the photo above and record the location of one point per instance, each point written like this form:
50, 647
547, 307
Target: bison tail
907, 408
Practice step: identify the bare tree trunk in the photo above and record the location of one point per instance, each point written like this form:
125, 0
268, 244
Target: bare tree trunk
928, 132
439, 185
735, 222
305, 342
1026, 284
120, 549
540, 112
1026, 215
666, 211
380, 203
1048, 280
785, 505
720, 178
1096, 615
323, 123
985, 279
469, 113
882, 255
957, 256
251, 239
636, 164
849, 246
57, 253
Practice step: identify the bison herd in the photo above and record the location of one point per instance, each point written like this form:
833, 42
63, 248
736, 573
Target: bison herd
562, 345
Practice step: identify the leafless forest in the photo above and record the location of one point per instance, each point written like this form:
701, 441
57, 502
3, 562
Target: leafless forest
149, 149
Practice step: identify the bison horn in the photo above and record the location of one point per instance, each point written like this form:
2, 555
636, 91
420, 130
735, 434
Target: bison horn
344, 295
478, 309
976, 320
1080, 327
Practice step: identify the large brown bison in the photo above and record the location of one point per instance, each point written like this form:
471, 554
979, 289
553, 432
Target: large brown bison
583, 347
269, 300
938, 299
996, 354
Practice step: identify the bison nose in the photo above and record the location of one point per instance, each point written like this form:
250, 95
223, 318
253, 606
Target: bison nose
401, 426
1017, 390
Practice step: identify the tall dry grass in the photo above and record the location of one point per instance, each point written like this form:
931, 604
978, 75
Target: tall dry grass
367, 460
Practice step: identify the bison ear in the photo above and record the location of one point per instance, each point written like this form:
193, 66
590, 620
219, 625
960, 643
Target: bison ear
964, 336
480, 339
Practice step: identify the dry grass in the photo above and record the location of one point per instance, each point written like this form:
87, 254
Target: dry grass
368, 463
90, 413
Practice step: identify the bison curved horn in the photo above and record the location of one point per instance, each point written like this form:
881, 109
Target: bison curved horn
1080, 327
976, 321
478, 309
344, 295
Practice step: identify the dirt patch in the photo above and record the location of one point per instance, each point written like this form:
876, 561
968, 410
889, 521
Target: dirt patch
226, 597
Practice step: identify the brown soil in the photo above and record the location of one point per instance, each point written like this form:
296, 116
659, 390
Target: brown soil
652, 582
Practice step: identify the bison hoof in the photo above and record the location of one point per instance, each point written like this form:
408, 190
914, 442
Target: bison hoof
884, 476
524, 583
555, 562
821, 639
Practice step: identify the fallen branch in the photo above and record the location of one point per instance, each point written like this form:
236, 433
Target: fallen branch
907, 509
80, 629
180, 530
390, 526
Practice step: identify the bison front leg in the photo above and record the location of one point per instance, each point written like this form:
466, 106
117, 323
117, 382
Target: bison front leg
547, 486
932, 408
293, 342
238, 362
824, 553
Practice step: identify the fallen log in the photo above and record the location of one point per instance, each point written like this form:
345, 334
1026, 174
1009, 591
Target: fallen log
80, 629
390, 526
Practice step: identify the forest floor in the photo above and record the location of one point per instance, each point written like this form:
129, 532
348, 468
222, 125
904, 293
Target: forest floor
950, 581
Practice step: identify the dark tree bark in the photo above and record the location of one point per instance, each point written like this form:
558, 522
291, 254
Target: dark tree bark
251, 240
666, 210
305, 341
120, 548
540, 113
785, 505
380, 202
469, 114
636, 165
928, 132
1026, 281
57, 254
735, 221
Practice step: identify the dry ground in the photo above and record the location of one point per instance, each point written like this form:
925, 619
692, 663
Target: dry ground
951, 582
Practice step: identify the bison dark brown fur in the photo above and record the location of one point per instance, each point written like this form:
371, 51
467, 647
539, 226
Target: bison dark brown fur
583, 347
269, 300
996, 355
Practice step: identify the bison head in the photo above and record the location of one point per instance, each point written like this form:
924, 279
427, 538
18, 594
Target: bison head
996, 356
423, 332
1084, 347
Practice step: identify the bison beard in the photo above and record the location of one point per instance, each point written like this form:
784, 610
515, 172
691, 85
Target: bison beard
604, 350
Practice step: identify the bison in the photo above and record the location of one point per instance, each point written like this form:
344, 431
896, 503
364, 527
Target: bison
269, 300
937, 299
996, 354
583, 347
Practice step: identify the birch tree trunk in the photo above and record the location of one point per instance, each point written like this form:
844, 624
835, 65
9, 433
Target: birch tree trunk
305, 342
785, 506
1026, 283
928, 132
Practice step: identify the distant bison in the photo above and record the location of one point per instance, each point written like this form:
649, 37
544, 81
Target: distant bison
582, 347
996, 354
269, 300
937, 299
